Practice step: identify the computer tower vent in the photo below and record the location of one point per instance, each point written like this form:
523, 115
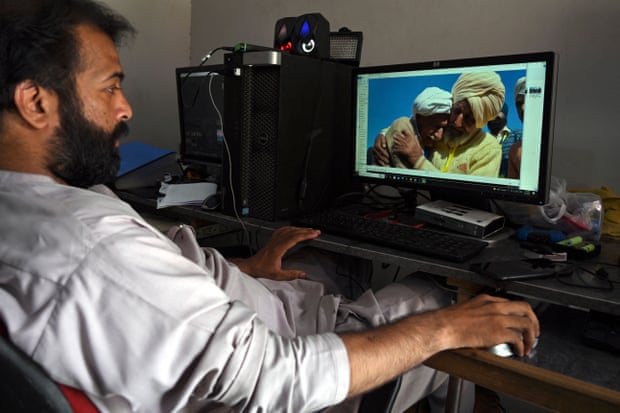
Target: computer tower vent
259, 137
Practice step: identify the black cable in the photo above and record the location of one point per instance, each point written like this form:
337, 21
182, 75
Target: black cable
211, 52
578, 271
395, 277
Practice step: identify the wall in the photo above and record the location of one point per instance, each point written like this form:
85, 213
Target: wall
161, 45
584, 34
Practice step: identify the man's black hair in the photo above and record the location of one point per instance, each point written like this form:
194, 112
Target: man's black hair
38, 41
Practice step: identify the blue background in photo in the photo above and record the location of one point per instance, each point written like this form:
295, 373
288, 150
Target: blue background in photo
392, 98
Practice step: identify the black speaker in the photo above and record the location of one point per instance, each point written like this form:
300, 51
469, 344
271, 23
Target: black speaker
306, 35
283, 39
287, 123
311, 36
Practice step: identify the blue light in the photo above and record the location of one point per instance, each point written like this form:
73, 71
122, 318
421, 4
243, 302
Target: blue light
305, 29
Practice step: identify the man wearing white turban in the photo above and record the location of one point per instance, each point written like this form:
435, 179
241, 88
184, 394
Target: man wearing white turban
430, 113
466, 148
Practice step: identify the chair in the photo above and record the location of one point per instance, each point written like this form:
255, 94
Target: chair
26, 387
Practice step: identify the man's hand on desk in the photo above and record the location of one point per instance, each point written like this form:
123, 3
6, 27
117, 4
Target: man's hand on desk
267, 262
485, 321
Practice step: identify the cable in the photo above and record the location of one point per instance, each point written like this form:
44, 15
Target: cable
579, 271
238, 48
195, 98
211, 52
230, 173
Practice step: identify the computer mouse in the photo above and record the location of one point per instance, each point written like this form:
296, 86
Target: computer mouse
505, 349
502, 350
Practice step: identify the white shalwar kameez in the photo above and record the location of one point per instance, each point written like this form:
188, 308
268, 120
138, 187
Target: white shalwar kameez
110, 305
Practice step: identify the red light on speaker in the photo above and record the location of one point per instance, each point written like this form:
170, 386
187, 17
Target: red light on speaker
286, 47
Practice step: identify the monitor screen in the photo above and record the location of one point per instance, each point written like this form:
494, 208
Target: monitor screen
479, 127
200, 94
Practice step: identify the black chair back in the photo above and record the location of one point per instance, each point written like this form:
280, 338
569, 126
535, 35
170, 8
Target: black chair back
25, 386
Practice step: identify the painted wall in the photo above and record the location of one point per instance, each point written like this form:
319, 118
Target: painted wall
583, 33
161, 45
176, 33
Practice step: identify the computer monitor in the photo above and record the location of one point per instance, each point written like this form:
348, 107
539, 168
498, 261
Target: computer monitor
200, 95
385, 93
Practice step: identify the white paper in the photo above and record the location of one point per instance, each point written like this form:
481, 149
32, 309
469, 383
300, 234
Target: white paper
185, 194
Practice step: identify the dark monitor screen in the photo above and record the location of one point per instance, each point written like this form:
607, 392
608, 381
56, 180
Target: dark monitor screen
457, 160
200, 94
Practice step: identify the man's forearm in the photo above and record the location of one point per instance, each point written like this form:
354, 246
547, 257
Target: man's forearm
379, 355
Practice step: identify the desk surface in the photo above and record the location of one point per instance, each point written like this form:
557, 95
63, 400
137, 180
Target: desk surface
549, 290
562, 374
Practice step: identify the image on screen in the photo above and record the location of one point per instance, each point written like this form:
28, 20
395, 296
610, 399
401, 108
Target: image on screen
514, 164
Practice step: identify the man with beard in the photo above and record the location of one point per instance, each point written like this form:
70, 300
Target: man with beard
143, 322
466, 148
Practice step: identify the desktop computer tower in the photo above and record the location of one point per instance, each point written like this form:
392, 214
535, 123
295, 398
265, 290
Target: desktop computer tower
287, 121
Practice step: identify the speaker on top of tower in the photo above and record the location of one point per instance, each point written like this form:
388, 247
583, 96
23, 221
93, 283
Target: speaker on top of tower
283, 39
306, 35
311, 36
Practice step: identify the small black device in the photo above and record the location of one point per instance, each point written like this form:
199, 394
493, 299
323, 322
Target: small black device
527, 268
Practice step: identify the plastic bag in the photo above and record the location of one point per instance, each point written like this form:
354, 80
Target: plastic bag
572, 213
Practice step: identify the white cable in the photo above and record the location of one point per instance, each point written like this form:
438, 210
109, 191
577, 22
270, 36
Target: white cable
230, 179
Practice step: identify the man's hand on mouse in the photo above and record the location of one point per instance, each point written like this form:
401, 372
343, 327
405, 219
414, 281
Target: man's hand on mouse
485, 321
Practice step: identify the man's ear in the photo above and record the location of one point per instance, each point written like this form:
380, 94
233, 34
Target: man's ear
35, 104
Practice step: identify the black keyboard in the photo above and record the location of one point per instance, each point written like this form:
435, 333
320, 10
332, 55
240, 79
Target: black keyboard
422, 241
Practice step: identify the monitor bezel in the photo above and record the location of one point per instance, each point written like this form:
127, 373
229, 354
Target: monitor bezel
472, 189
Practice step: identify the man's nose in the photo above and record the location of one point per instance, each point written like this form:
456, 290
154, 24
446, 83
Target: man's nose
124, 110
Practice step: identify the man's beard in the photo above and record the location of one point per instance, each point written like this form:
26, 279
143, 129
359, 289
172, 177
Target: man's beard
83, 154
452, 134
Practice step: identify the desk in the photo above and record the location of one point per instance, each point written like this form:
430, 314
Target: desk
562, 374
545, 379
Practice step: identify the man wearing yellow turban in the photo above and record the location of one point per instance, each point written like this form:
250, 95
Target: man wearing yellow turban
466, 148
